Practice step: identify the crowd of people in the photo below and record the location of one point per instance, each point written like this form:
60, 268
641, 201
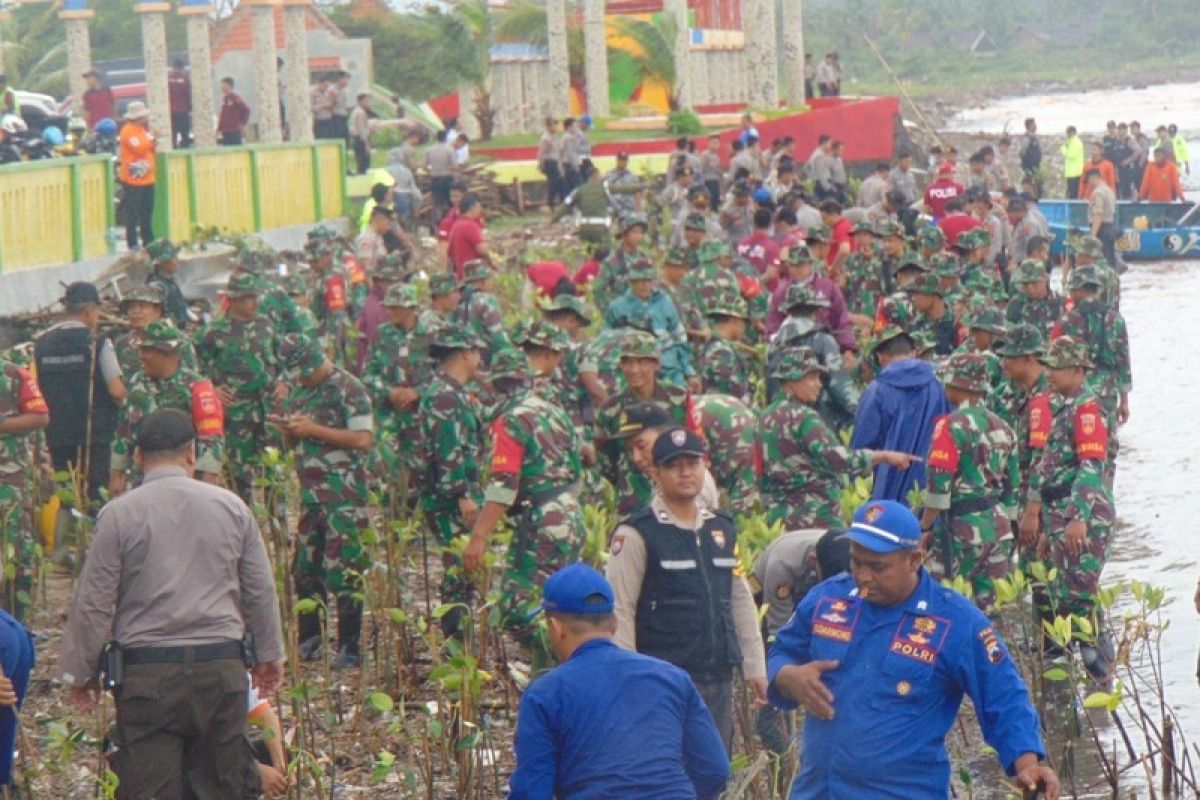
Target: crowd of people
741, 339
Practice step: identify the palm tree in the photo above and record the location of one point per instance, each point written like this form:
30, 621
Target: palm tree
654, 55
29, 64
475, 18
525, 21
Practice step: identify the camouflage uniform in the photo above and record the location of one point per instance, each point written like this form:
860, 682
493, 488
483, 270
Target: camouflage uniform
478, 313
1021, 310
972, 480
945, 331
162, 251
613, 277
979, 275
330, 298
242, 356
657, 315
19, 548
804, 463
727, 425
864, 276
186, 390
1026, 412
565, 387
986, 318
295, 288
839, 398
1069, 483
601, 355
128, 343
275, 301
1110, 283
1102, 329
623, 188
710, 281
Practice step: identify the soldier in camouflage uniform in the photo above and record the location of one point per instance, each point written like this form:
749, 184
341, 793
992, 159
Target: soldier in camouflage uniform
804, 463
23, 412
1033, 303
574, 392
934, 315
724, 368
930, 241
864, 272
1088, 251
143, 305
535, 478
1102, 330
1022, 400
737, 215
648, 308
164, 265
972, 481
839, 398
694, 230
985, 327
452, 444
640, 360
239, 352
295, 287
613, 277
895, 253
163, 382
728, 426
897, 308
478, 311
330, 296
327, 419
979, 275
445, 293
277, 302
719, 272
393, 380
1069, 496
672, 275
600, 361
623, 188
948, 271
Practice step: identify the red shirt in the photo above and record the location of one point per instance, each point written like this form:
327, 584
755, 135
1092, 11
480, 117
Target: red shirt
940, 192
760, 250
179, 90
587, 272
954, 224
546, 275
443, 231
839, 235
465, 238
234, 114
98, 104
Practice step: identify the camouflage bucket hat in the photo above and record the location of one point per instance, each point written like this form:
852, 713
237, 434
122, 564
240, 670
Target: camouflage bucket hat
442, 284
389, 268
162, 335
448, 337
1029, 271
886, 227
639, 344
802, 295
794, 363
818, 233
322, 233
301, 354
401, 295
295, 283
944, 265
676, 255
927, 283
973, 239
1066, 352
1084, 276
642, 270
146, 293
987, 317
1088, 246
911, 261
161, 251
865, 226
632, 221
316, 248
543, 334
923, 341
252, 261
509, 364
798, 254
1021, 340
244, 284
886, 334
968, 372
932, 238
568, 302
711, 250
695, 222
729, 304
476, 270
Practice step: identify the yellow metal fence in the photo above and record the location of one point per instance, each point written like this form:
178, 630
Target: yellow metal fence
52, 212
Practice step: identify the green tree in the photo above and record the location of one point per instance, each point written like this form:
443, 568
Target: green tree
655, 59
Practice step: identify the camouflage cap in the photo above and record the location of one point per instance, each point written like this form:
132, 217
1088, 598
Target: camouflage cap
244, 284
639, 344
301, 354
442, 284
401, 295
713, 249
1029, 271
389, 268
695, 222
316, 248
818, 233
886, 227
910, 260
1084, 276
973, 239
676, 255
146, 293
924, 341
642, 270
945, 265
253, 261
728, 304
1066, 352
295, 283
1021, 340
477, 270
161, 251
322, 233
568, 302
926, 283
986, 317
802, 295
1088, 246
509, 364
162, 335
794, 363
932, 238
450, 337
632, 221
887, 333
864, 226
543, 334
967, 372
798, 254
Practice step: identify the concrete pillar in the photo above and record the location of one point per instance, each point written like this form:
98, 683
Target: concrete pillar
154, 51
75, 15
560, 67
204, 132
298, 101
683, 76
759, 28
793, 52
595, 58
266, 76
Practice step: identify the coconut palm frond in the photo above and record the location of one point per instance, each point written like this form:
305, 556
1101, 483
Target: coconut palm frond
655, 46
523, 21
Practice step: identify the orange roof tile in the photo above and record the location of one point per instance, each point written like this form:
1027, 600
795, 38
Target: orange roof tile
235, 33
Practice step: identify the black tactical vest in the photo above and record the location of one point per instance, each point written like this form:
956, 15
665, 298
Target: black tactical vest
684, 614
65, 365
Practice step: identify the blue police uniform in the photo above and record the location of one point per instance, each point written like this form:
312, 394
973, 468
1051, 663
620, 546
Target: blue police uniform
17, 658
902, 674
609, 723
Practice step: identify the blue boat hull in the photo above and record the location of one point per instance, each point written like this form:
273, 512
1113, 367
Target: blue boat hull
1159, 237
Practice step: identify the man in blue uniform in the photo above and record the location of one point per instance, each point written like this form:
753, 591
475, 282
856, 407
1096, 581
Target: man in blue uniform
608, 722
880, 658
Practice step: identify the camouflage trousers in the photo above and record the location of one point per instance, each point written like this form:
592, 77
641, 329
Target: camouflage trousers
446, 525
981, 548
245, 440
21, 552
331, 555
738, 485
1075, 587
802, 509
546, 538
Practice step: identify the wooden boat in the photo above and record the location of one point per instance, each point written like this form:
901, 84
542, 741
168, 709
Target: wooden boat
1149, 231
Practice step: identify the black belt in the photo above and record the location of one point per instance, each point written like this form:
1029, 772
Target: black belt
1052, 494
218, 651
971, 506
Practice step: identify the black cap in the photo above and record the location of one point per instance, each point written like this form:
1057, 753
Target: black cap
641, 416
164, 430
80, 295
676, 442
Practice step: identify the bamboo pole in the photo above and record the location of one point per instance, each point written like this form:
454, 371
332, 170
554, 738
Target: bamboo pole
903, 91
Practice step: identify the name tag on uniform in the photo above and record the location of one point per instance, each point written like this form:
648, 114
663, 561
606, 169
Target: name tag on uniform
920, 637
835, 618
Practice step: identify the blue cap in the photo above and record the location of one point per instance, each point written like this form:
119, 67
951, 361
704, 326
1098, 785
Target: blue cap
885, 526
762, 195
586, 119
577, 589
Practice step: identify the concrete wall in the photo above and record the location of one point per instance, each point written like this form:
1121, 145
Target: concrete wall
521, 96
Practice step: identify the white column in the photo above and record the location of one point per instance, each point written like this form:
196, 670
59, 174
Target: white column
683, 77
595, 58
154, 51
266, 76
299, 99
759, 27
204, 132
75, 18
793, 51
560, 68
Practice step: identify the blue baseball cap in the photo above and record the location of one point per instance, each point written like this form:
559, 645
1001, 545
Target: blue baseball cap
762, 195
586, 120
885, 526
577, 589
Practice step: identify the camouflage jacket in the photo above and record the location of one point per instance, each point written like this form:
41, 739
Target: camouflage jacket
613, 278
242, 356
995, 367
973, 460
1040, 314
602, 355
706, 282
565, 389
389, 365
129, 343
840, 395
864, 283
479, 314
946, 331
633, 487
1069, 478
174, 306
1103, 329
728, 425
984, 279
276, 305
535, 450
1028, 414
895, 309
328, 473
331, 298
724, 370
452, 440
186, 390
19, 394
656, 314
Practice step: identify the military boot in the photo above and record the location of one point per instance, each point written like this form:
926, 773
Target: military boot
349, 633
309, 634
